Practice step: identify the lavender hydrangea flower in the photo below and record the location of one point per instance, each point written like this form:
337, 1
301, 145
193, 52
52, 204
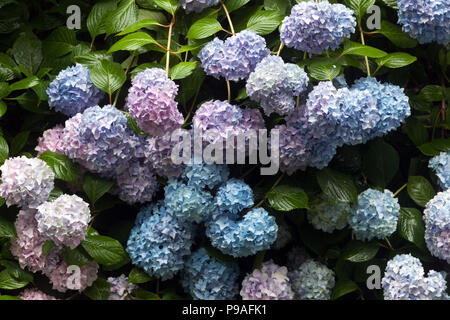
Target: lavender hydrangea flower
312, 281
202, 175
35, 294
426, 21
121, 289
51, 140
441, 165
269, 283
317, 26
404, 279
159, 242
375, 216
64, 220
151, 102
328, 216
186, 202
62, 280
197, 5
206, 278
437, 225
234, 196
235, 58
26, 182
72, 91
72, 145
274, 84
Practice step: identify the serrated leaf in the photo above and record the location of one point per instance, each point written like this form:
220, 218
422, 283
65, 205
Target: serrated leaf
96, 187
60, 42
324, 72
7, 229
182, 70
93, 58
357, 251
77, 256
337, 186
105, 250
433, 93
168, 5
264, 22
355, 48
139, 25
61, 165
203, 28
137, 275
132, 42
122, 17
97, 16
411, 226
396, 60
420, 190
108, 76
359, 6
99, 290
287, 198
134, 126
27, 51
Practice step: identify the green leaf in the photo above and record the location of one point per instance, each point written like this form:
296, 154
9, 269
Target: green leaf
134, 126
182, 70
142, 294
343, 287
99, 290
7, 229
235, 4
132, 42
264, 22
433, 93
18, 142
13, 277
48, 245
357, 251
435, 147
324, 72
287, 198
420, 190
241, 95
380, 163
337, 186
105, 250
60, 42
61, 165
96, 187
77, 256
395, 34
396, 60
24, 84
122, 17
168, 5
218, 255
4, 150
203, 28
416, 131
411, 226
355, 48
27, 51
4, 89
93, 58
6, 297
97, 16
391, 3
359, 6
108, 76
137, 275
139, 25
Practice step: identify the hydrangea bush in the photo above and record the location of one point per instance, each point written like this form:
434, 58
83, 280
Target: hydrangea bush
352, 101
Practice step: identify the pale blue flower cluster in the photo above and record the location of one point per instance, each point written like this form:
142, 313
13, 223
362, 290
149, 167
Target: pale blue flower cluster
437, 225
441, 166
328, 216
274, 84
203, 175
317, 26
404, 279
234, 196
235, 58
206, 278
197, 5
375, 215
425, 20
312, 281
72, 91
159, 242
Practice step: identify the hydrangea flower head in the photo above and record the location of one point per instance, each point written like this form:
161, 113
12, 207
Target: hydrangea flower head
72, 91
328, 216
269, 283
62, 278
202, 175
404, 279
426, 21
35, 294
197, 5
312, 281
51, 140
274, 84
26, 182
317, 26
234, 196
73, 147
437, 225
375, 215
206, 278
441, 166
64, 220
120, 288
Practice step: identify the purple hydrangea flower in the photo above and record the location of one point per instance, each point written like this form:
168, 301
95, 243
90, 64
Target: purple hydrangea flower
51, 140
62, 278
73, 147
72, 91
121, 289
35, 294
441, 166
197, 5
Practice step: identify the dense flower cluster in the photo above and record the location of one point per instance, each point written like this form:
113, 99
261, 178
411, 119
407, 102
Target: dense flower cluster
62, 279
317, 26
328, 216
51, 140
35, 294
437, 225
234, 196
197, 5
441, 165
120, 288
201, 175
426, 21
73, 91
26, 182
312, 281
274, 84
375, 216
269, 283
404, 279
206, 278
235, 58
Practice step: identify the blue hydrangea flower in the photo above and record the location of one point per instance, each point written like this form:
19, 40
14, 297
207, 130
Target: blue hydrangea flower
274, 84
187, 202
404, 279
312, 281
441, 166
256, 231
197, 5
235, 58
375, 215
72, 91
437, 225
202, 175
425, 20
328, 216
159, 242
234, 196
206, 278
317, 26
